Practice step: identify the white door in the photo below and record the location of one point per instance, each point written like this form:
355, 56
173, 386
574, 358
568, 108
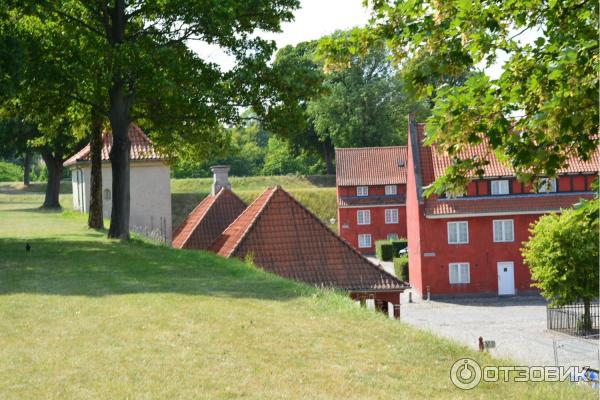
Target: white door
506, 278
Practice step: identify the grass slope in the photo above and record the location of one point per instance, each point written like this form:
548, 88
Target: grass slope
317, 193
85, 317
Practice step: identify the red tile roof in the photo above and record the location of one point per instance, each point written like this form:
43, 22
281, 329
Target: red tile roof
370, 166
206, 222
434, 162
498, 205
283, 237
141, 148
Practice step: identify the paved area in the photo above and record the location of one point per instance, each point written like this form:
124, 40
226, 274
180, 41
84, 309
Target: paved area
516, 324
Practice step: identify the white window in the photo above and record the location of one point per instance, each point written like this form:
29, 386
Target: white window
363, 217
504, 230
364, 240
500, 187
362, 191
459, 273
391, 216
547, 185
391, 190
458, 232
392, 236
107, 194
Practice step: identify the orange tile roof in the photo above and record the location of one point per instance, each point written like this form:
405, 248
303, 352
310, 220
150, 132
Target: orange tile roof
141, 148
370, 166
434, 162
283, 237
498, 205
206, 222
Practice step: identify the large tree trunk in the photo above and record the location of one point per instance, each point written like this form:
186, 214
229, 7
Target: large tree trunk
55, 168
328, 155
27, 168
587, 318
96, 217
120, 104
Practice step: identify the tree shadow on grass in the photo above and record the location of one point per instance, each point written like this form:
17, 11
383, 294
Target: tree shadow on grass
98, 268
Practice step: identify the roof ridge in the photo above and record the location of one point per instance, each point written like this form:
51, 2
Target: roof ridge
252, 222
342, 240
372, 147
209, 198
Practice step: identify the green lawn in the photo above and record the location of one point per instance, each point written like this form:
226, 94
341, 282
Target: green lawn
84, 317
317, 193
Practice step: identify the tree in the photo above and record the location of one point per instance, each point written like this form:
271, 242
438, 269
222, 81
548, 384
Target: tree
541, 111
563, 254
148, 72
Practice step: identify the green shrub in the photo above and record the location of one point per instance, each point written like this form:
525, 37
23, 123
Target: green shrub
10, 172
398, 245
384, 250
401, 267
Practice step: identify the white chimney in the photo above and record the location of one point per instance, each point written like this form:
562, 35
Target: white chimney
220, 178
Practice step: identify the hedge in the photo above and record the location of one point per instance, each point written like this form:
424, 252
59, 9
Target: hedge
399, 245
401, 267
384, 250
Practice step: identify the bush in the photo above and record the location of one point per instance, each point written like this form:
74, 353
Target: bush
399, 245
10, 172
384, 250
401, 267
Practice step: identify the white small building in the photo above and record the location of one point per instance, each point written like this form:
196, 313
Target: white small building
150, 185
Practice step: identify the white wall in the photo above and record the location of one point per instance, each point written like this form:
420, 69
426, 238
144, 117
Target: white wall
150, 190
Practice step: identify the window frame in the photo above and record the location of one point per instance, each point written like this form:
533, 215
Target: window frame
459, 274
553, 186
365, 235
393, 236
107, 194
498, 181
394, 192
362, 191
457, 223
391, 222
364, 213
503, 232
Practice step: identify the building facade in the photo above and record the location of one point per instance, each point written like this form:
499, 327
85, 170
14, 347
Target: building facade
471, 244
371, 193
150, 187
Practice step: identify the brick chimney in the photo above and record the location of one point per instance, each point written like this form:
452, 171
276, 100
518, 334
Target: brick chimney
220, 178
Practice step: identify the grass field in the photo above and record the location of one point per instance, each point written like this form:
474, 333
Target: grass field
84, 317
317, 193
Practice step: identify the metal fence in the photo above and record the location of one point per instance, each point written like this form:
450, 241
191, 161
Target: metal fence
569, 319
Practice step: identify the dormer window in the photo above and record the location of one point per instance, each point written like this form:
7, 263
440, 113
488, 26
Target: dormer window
500, 187
107, 194
547, 185
362, 191
391, 190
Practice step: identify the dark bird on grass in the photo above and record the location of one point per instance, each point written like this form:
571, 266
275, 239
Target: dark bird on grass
27, 247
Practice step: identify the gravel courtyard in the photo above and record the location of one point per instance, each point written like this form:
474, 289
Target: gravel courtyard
516, 324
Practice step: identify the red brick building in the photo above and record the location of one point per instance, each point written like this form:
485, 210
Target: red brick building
371, 192
471, 244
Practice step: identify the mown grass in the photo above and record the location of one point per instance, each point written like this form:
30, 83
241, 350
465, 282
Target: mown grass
317, 193
85, 317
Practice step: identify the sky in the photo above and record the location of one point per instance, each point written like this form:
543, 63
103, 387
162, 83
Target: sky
317, 18
314, 18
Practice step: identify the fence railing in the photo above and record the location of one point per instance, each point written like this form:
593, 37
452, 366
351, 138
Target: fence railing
570, 319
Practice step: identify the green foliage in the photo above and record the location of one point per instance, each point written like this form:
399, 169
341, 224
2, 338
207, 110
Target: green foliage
281, 159
563, 254
384, 250
10, 172
401, 267
399, 245
551, 82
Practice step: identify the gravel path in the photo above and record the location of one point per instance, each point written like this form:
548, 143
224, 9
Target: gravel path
516, 324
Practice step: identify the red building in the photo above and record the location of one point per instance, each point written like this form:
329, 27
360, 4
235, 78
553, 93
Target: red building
471, 244
371, 192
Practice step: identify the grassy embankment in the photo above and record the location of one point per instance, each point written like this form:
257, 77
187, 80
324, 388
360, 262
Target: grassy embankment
85, 317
